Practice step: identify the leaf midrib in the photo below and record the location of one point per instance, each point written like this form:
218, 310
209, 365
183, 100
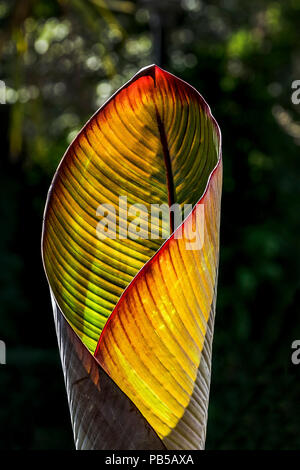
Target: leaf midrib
168, 165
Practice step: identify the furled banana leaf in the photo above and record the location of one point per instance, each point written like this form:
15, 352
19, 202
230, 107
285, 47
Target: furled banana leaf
135, 312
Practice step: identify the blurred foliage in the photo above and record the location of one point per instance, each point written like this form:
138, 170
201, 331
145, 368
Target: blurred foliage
60, 60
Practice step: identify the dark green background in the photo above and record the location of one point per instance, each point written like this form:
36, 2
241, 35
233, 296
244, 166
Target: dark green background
60, 60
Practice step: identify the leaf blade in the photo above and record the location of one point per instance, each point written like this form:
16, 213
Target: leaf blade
173, 154
102, 416
152, 344
113, 156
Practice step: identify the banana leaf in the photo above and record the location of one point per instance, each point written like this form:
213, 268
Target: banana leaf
134, 293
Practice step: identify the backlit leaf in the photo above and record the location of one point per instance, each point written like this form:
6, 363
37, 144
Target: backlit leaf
143, 307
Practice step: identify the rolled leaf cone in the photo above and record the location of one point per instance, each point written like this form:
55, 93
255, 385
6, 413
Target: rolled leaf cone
134, 312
